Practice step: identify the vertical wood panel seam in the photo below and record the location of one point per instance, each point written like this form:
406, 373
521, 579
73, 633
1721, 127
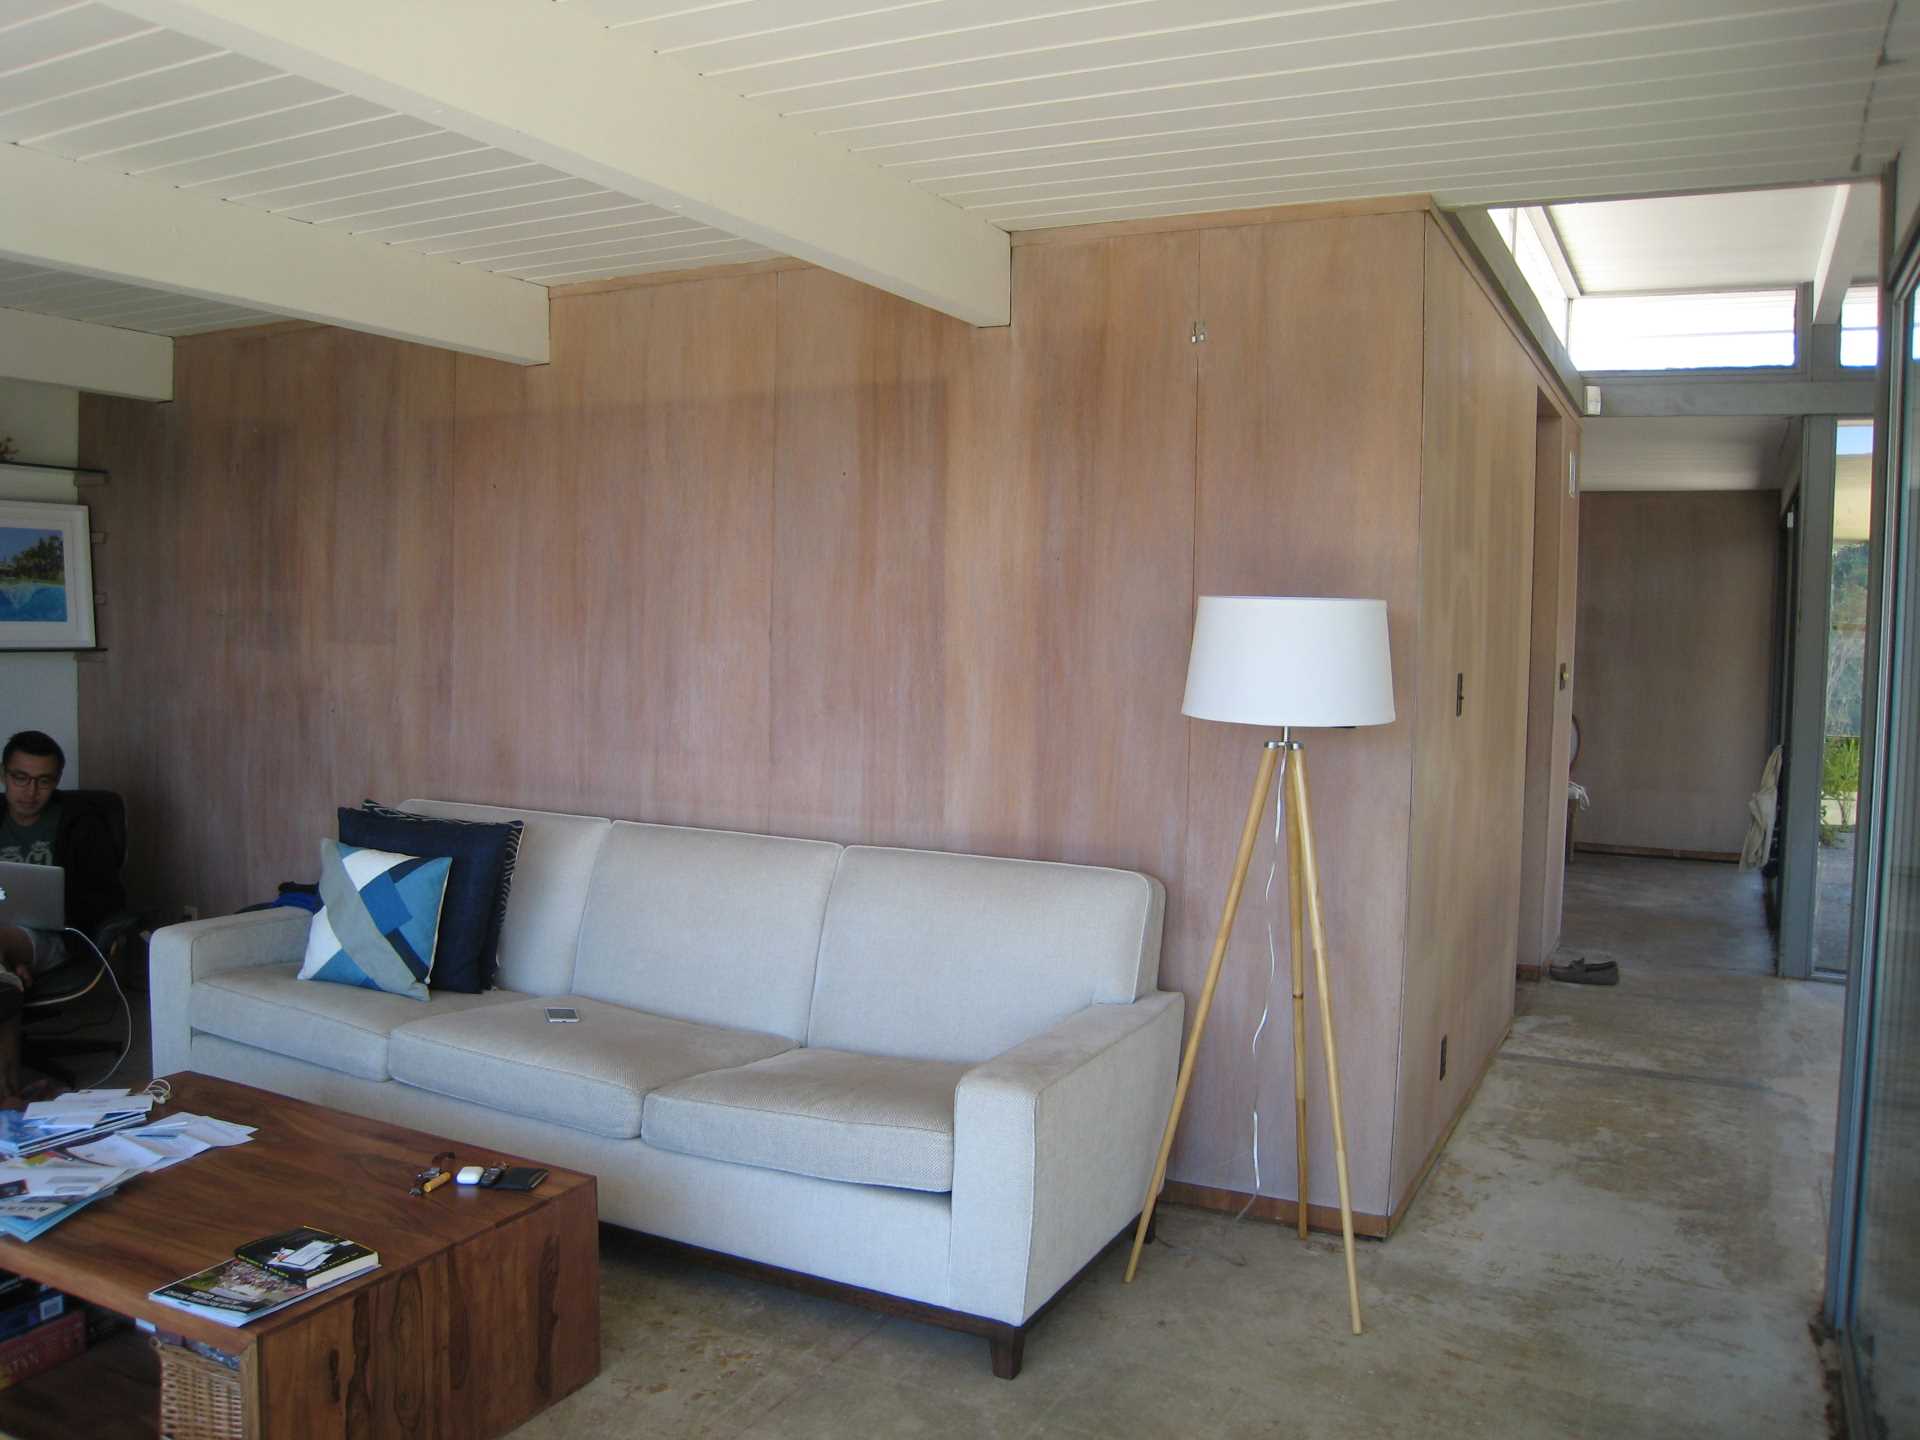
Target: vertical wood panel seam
1414, 747
1193, 571
773, 549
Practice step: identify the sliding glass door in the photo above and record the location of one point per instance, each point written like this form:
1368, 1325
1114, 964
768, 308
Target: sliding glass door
1874, 1287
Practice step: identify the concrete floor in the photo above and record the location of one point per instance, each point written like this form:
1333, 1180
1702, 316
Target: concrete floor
1624, 1239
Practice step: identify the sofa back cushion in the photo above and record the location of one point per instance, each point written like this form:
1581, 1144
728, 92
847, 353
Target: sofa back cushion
550, 878
706, 925
960, 957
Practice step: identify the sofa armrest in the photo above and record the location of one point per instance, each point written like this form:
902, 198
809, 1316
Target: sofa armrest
179, 955
1053, 1143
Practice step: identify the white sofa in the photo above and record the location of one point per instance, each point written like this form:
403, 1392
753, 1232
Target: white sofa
938, 1078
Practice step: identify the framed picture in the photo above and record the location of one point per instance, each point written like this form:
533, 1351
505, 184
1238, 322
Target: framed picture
46, 577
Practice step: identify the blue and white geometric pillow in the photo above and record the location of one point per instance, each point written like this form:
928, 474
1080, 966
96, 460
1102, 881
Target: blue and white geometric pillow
380, 920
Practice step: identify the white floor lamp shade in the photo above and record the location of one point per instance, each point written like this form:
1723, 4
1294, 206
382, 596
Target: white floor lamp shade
1290, 661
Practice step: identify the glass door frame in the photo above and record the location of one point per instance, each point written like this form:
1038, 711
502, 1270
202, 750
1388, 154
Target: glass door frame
1896, 454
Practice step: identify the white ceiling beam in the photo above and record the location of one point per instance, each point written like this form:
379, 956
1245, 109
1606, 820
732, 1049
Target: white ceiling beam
51, 351
1549, 237
88, 219
551, 83
1852, 225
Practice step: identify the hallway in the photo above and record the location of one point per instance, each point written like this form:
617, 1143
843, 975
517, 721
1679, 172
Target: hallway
1677, 1131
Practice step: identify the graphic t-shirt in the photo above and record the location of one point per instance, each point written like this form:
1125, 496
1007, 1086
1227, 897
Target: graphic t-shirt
28, 844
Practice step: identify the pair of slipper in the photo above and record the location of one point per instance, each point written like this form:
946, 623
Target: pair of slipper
1582, 971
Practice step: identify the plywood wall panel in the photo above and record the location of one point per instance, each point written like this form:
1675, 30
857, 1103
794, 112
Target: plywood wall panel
1101, 585
863, 469
1309, 485
614, 538
1676, 637
1476, 541
283, 621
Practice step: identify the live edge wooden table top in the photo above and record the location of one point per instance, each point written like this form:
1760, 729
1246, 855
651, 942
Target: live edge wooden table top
484, 1311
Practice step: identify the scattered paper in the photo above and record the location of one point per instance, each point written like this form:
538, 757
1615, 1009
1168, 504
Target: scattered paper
174, 1148
47, 1175
93, 1159
31, 1228
25, 1208
154, 1152
203, 1128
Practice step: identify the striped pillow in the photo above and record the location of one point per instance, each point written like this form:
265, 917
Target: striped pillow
379, 926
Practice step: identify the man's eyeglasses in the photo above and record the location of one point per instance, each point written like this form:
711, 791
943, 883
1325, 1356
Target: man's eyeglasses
32, 782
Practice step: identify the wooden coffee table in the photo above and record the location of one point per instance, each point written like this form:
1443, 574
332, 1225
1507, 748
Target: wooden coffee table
484, 1311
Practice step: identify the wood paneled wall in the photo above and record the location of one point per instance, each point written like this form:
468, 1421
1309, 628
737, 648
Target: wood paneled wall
1469, 706
1556, 536
775, 551
780, 552
1676, 640
1309, 477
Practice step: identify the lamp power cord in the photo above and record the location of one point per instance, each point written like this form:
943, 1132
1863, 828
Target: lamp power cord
126, 1008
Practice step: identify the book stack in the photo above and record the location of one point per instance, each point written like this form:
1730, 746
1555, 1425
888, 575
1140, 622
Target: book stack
268, 1274
81, 1115
38, 1329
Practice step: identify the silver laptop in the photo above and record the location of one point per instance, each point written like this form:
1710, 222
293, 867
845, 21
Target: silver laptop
33, 895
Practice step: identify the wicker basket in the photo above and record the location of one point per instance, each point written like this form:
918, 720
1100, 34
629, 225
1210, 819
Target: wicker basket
200, 1399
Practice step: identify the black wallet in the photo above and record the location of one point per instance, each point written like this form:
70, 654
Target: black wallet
519, 1177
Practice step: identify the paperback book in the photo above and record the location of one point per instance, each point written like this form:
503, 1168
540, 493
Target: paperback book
308, 1257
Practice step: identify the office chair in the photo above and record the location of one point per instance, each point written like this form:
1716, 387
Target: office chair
45, 1044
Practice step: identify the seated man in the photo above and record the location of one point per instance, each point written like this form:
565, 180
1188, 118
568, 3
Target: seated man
38, 829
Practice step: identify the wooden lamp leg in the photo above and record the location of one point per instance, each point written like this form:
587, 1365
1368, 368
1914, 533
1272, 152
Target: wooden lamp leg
1310, 876
1298, 954
1262, 786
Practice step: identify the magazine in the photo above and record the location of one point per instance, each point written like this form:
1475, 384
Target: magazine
232, 1293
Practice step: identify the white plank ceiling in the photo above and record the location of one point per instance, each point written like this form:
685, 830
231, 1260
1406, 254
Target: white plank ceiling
1024, 114
1035, 115
90, 84
109, 302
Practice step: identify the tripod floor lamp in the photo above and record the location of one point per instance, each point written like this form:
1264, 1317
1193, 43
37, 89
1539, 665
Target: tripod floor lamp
1286, 663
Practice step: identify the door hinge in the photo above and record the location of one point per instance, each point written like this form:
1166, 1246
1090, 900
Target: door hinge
1459, 693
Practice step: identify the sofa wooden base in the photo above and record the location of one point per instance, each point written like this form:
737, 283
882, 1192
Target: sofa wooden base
1006, 1343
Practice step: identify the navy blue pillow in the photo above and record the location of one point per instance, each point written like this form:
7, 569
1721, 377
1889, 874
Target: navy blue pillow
483, 854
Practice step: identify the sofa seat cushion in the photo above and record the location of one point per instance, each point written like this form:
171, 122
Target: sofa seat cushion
591, 1076
832, 1114
340, 1027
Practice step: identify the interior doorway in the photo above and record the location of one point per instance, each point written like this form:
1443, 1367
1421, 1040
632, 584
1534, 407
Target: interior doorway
1556, 539
1845, 692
